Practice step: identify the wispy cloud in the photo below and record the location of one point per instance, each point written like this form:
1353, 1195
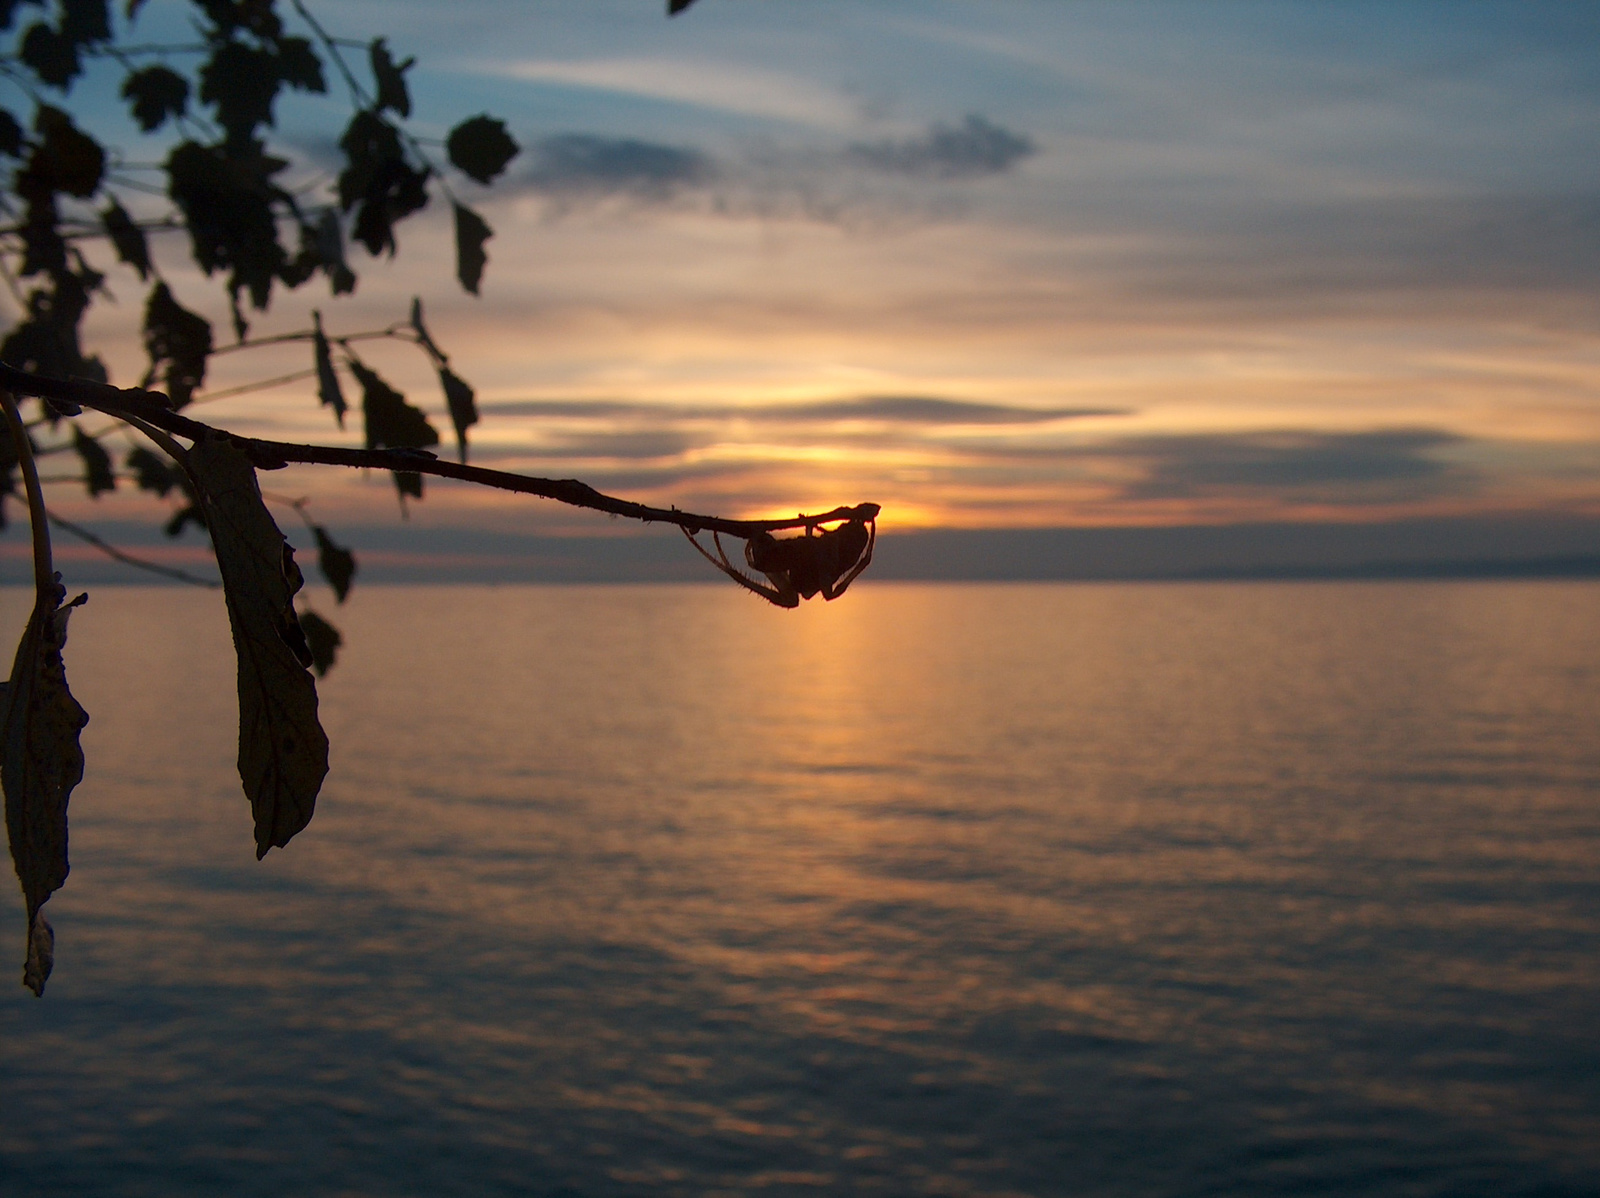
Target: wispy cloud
1353, 468
581, 165
972, 149
720, 86
904, 410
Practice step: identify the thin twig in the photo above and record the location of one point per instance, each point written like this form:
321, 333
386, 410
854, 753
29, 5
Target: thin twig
129, 559
44, 573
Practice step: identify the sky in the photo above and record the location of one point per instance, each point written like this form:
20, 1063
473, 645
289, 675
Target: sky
994, 264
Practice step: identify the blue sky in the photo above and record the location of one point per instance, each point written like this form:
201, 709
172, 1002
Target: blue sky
995, 264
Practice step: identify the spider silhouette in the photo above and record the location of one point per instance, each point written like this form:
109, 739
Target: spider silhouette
821, 562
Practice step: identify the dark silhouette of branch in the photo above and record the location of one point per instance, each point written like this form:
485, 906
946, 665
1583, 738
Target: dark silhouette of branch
154, 408
128, 559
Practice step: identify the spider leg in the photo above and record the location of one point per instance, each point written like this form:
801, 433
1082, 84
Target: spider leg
838, 588
770, 594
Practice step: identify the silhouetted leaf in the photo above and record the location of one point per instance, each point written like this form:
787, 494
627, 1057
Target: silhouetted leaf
328, 389
52, 56
154, 94
67, 158
392, 423
177, 339
97, 473
463, 408
391, 79
227, 198
10, 135
338, 564
458, 395
378, 183
86, 21
128, 238
674, 7
283, 752
241, 82
40, 762
481, 147
182, 518
323, 639
299, 66
152, 472
330, 248
8, 11
471, 233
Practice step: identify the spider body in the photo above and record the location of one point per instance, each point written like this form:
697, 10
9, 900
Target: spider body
821, 562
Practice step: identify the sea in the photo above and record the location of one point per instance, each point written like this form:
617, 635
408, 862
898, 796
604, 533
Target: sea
1041, 889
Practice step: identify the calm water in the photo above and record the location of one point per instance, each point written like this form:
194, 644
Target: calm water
1001, 890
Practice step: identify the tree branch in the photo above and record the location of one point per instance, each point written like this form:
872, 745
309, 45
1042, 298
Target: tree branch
154, 408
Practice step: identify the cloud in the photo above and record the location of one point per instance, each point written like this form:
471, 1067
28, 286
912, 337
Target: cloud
574, 165
970, 150
720, 86
1393, 464
907, 410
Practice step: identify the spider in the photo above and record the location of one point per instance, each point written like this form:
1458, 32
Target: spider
823, 561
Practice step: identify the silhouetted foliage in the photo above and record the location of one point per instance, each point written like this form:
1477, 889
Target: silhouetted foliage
214, 103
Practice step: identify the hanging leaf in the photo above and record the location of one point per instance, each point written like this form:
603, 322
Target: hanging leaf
674, 7
481, 147
52, 57
378, 182
471, 233
97, 473
463, 406
180, 341
155, 94
330, 248
152, 472
391, 79
323, 639
338, 564
392, 423
67, 158
41, 761
283, 752
86, 21
327, 377
10, 135
127, 237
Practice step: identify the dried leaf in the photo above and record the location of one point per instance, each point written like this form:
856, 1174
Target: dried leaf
338, 564
323, 639
283, 752
471, 232
40, 762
